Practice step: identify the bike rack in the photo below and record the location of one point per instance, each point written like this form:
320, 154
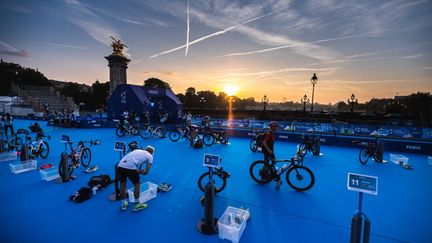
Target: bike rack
356, 225
121, 147
63, 161
208, 224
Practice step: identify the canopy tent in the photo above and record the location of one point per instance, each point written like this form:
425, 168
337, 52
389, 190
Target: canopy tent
140, 99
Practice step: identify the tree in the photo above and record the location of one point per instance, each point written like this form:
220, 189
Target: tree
156, 83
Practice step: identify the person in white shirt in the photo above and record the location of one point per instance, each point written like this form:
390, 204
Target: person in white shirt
130, 167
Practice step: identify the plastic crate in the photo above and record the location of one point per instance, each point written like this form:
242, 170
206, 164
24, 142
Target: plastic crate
430, 160
148, 191
49, 174
232, 224
23, 166
399, 159
7, 156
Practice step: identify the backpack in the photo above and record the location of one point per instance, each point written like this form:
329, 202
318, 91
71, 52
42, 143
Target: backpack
100, 181
198, 143
81, 195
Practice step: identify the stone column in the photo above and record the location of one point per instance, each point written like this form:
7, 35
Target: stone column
118, 65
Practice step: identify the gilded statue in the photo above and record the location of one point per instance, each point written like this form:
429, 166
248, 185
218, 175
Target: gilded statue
117, 47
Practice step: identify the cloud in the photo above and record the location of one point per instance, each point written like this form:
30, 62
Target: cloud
283, 70
88, 21
214, 34
411, 56
66, 45
187, 29
9, 50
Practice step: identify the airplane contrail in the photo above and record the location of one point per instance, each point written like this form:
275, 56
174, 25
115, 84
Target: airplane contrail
217, 33
188, 29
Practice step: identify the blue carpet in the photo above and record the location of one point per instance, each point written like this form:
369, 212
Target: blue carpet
33, 210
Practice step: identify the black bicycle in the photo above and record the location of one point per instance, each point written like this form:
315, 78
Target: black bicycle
180, 132
298, 176
256, 142
309, 144
370, 150
126, 127
219, 179
215, 136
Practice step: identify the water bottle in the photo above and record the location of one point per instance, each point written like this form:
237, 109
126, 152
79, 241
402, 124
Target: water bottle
282, 169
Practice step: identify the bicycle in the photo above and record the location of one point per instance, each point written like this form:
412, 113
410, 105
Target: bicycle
39, 147
214, 137
308, 144
219, 182
79, 154
9, 144
298, 176
256, 142
180, 132
125, 127
370, 150
153, 131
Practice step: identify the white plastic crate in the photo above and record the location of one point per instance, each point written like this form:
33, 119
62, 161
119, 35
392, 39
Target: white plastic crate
148, 191
23, 166
6, 156
399, 159
49, 174
232, 224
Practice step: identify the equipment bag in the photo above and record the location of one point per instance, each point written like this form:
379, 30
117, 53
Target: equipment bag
100, 181
81, 195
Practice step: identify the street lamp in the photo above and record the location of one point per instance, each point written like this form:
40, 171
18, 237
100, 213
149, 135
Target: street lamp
314, 80
352, 100
202, 101
305, 101
265, 101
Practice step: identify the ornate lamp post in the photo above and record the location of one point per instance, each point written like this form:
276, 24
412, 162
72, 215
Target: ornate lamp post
314, 80
202, 101
305, 101
265, 101
352, 100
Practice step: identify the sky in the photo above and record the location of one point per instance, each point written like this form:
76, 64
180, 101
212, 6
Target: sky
264, 47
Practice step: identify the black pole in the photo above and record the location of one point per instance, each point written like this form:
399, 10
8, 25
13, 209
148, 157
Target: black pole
208, 225
313, 90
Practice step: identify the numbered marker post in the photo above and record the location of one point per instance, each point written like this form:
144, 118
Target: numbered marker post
362, 184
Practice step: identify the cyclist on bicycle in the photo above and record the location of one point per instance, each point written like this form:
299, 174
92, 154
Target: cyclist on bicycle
130, 167
268, 142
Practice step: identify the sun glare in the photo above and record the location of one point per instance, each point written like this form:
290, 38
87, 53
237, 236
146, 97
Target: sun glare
230, 90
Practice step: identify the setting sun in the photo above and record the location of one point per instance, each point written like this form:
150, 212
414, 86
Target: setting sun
230, 90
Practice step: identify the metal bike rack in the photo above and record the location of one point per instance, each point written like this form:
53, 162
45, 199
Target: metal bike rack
121, 147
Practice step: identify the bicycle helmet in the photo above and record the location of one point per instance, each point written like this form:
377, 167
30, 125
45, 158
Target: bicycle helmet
273, 124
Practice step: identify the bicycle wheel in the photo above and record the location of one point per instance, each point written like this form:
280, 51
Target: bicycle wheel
120, 132
208, 139
300, 177
261, 171
62, 166
145, 133
160, 132
253, 145
219, 183
174, 136
302, 149
43, 150
363, 156
135, 130
85, 157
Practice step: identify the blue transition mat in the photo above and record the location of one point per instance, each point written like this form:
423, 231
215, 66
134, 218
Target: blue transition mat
33, 210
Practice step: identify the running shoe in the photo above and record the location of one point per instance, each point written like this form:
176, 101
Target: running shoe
124, 205
139, 206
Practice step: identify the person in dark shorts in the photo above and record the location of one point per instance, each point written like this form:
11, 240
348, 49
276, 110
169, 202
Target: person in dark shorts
130, 167
268, 142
